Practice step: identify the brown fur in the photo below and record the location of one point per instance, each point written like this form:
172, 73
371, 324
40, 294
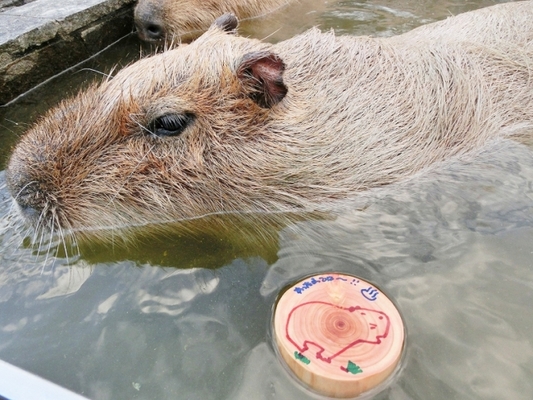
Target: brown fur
276, 128
185, 19
177, 21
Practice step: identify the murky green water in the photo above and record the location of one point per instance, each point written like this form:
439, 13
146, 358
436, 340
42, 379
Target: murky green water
179, 316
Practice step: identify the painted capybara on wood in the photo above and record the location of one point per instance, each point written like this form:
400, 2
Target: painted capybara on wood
229, 124
362, 326
158, 19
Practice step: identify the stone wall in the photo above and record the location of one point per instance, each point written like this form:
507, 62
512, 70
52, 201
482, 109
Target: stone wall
41, 38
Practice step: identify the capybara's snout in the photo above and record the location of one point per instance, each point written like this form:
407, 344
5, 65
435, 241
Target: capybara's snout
149, 21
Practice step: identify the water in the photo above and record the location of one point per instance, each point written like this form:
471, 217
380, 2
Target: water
187, 316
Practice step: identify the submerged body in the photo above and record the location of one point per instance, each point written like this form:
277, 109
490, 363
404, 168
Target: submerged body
229, 124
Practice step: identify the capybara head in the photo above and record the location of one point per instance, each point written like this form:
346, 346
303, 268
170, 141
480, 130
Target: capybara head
230, 124
153, 143
158, 20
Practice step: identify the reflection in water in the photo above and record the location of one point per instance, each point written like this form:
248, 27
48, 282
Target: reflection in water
453, 250
208, 242
184, 312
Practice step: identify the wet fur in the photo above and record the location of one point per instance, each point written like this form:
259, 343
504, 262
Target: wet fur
185, 19
358, 113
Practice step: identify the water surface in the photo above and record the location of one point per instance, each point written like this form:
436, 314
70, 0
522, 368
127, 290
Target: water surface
182, 316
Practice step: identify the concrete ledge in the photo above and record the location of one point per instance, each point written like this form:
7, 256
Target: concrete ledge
44, 37
17, 384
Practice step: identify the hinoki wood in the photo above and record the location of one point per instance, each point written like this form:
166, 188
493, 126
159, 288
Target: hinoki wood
339, 334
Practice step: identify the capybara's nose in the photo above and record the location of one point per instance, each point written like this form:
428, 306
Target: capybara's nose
27, 194
150, 30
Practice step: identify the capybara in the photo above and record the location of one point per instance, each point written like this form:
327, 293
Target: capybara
183, 19
230, 124
177, 21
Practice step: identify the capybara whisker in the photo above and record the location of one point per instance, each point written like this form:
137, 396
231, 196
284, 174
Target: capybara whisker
63, 242
107, 76
38, 231
52, 232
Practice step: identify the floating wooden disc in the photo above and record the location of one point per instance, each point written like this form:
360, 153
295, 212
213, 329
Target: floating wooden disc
339, 334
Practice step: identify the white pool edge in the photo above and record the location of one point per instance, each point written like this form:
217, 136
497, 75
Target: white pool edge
17, 384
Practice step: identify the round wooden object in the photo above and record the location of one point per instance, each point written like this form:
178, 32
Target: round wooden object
339, 334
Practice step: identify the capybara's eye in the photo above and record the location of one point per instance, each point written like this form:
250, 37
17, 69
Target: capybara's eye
170, 124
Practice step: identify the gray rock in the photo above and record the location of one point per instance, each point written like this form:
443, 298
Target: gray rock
40, 38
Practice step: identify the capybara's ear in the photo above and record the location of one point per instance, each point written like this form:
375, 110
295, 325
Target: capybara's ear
262, 76
227, 23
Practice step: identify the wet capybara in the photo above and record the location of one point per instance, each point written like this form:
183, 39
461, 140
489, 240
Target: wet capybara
184, 19
230, 124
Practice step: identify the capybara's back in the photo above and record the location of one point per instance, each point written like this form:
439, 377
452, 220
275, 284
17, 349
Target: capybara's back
230, 124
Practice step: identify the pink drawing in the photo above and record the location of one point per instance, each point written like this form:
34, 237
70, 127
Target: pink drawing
373, 327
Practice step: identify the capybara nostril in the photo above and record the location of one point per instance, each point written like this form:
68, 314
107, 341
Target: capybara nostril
155, 32
150, 31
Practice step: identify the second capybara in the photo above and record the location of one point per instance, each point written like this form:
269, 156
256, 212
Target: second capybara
158, 20
230, 124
